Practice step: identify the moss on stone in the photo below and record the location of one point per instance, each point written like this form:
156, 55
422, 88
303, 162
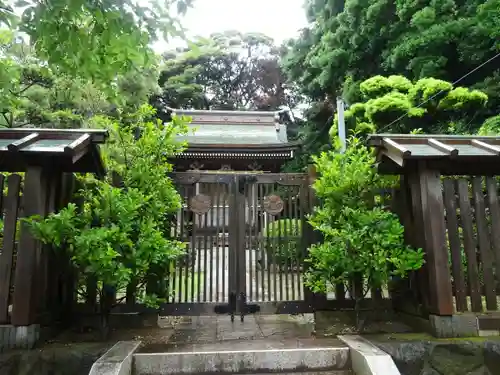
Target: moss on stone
422, 336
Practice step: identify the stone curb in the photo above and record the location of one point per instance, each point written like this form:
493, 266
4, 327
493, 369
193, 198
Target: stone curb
116, 361
367, 359
263, 361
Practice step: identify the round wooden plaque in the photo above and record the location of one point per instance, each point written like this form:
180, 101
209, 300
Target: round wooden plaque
200, 204
273, 204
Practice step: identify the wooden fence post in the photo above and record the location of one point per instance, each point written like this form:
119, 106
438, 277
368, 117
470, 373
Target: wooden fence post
26, 283
435, 243
11, 206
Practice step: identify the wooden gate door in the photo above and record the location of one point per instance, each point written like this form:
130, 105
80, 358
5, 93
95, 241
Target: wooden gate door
245, 244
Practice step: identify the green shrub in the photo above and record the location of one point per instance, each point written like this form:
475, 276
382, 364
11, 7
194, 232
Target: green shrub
360, 238
283, 242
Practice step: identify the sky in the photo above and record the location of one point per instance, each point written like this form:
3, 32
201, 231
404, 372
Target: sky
279, 19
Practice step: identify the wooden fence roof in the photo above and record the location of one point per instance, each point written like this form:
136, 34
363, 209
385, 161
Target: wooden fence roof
71, 150
449, 154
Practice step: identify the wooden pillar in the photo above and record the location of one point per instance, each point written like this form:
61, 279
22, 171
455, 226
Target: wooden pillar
431, 216
29, 260
11, 207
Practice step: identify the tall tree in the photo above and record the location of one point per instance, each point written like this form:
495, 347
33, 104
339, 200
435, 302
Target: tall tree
353, 40
393, 104
95, 39
228, 70
32, 94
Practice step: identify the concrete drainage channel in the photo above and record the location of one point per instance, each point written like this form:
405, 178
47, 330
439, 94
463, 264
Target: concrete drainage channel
353, 355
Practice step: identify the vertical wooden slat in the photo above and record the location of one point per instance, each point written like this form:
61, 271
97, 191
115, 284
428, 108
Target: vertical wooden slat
455, 245
305, 235
484, 244
241, 262
491, 186
217, 240
291, 247
178, 267
224, 247
275, 240
435, 241
278, 266
28, 256
298, 243
286, 243
248, 243
262, 244
233, 245
252, 245
172, 264
469, 245
192, 248
196, 254
9, 239
196, 271
208, 244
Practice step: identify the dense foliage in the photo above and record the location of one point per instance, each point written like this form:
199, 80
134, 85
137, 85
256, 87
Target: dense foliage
93, 39
228, 70
394, 104
120, 234
360, 238
33, 94
351, 41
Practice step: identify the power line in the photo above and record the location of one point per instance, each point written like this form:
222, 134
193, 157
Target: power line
440, 92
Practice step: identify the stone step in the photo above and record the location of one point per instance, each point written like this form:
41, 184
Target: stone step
332, 360
340, 372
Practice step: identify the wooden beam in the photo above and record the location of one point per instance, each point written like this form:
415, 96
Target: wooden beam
485, 146
389, 143
98, 135
435, 245
27, 272
396, 158
442, 147
416, 236
395, 151
78, 144
9, 239
23, 142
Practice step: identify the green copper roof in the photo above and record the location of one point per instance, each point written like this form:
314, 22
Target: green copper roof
235, 134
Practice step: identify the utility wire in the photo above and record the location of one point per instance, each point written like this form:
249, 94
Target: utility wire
440, 92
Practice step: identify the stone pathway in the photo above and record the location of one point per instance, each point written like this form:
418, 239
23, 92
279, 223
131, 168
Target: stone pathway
206, 333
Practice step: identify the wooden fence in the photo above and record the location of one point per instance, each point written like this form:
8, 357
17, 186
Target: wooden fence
470, 239
469, 235
49, 280
472, 214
